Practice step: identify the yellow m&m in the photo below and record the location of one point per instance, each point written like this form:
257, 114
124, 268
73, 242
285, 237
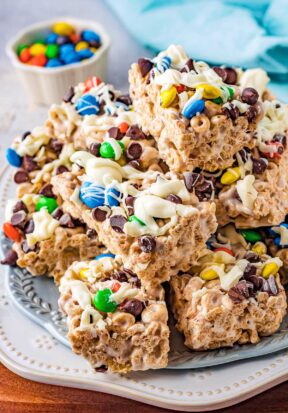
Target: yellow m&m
83, 272
208, 274
37, 49
168, 96
81, 46
209, 91
63, 29
230, 176
270, 269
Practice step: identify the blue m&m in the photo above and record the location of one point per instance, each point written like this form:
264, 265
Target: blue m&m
192, 108
13, 158
90, 36
87, 105
107, 255
92, 195
112, 197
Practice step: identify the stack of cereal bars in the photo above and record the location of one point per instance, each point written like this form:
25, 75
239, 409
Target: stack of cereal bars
183, 181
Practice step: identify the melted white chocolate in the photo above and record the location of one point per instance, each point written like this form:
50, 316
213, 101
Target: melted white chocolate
32, 143
44, 227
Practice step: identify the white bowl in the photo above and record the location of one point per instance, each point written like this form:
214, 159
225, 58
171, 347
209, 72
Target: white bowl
48, 85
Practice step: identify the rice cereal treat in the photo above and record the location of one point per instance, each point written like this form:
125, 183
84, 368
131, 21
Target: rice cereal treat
112, 322
253, 192
227, 299
46, 240
200, 116
92, 111
149, 219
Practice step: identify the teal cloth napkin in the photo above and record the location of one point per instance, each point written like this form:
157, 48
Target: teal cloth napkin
243, 33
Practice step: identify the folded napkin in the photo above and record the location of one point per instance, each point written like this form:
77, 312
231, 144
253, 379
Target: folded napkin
243, 33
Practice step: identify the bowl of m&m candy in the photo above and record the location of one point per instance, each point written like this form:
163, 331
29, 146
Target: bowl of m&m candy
51, 56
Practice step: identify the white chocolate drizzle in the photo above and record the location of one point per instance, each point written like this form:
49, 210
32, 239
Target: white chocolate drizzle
44, 227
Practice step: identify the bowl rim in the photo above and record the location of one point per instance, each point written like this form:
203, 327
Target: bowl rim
90, 24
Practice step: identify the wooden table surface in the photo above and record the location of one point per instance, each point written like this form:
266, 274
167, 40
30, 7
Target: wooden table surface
18, 395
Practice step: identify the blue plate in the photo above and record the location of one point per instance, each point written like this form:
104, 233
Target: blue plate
37, 298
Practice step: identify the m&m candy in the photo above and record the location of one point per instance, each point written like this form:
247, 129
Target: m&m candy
112, 197
45, 202
192, 108
92, 195
87, 105
13, 158
102, 301
11, 232
63, 45
105, 255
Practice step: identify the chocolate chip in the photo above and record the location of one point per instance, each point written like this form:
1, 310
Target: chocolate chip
99, 214
249, 270
259, 165
21, 176
231, 76
101, 369
135, 164
29, 164
163, 165
57, 213
56, 145
191, 179
256, 281
135, 133
129, 202
18, 219
145, 66
147, 243
25, 134
281, 139
243, 155
61, 169
235, 295
174, 198
220, 72
120, 276
117, 222
69, 95
251, 256
115, 133
231, 112
20, 206
66, 221
249, 95
251, 114
25, 247
134, 151
270, 286
10, 258
47, 190
126, 99
91, 233
29, 227
132, 306
189, 65
95, 148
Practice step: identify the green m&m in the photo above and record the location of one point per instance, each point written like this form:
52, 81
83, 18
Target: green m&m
52, 51
45, 202
102, 301
107, 151
135, 219
250, 235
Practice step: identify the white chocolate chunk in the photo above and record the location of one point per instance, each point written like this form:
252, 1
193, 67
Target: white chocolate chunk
125, 291
90, 312
232, 277
256, 78
246, 191
283, 232
44, 227
32, 143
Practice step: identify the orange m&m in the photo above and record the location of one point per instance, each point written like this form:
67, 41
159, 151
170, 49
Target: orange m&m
11, 232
